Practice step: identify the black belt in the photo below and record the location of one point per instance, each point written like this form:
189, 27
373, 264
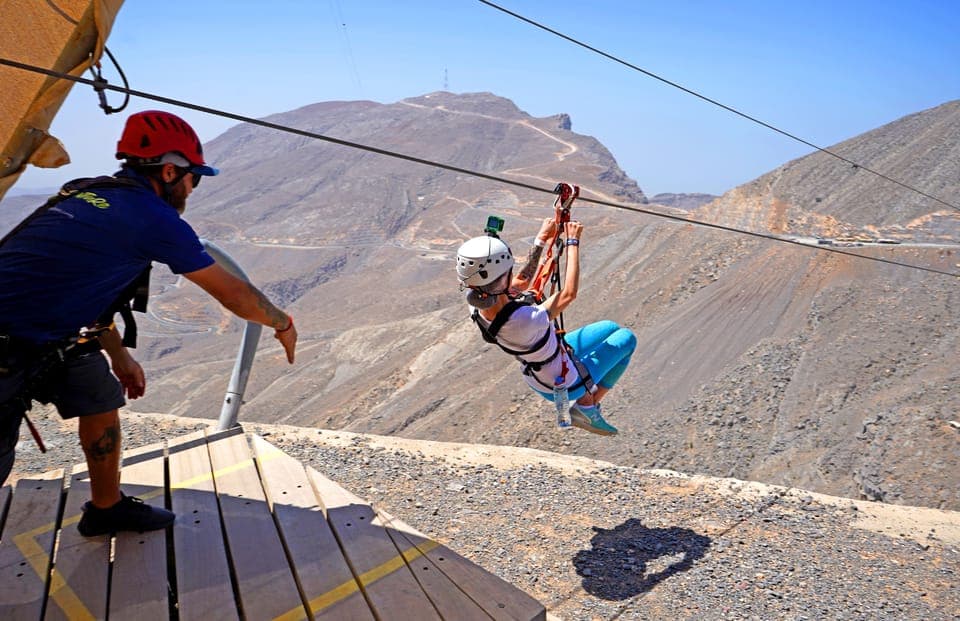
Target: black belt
15, 350
532, 367
10, 344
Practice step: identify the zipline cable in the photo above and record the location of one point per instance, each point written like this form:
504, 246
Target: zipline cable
717, 103
465, 171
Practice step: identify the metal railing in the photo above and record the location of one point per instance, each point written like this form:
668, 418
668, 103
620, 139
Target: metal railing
248, 347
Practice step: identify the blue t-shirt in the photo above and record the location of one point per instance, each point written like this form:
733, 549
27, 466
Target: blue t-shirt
65, 268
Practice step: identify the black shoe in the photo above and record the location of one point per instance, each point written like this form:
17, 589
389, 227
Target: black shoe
129, 514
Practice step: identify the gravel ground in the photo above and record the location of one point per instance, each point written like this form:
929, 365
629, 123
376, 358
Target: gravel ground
596, 541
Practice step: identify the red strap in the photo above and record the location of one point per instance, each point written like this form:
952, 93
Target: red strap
35, 434
545, 270
566, 194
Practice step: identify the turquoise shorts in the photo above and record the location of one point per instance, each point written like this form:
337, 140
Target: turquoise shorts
604, 348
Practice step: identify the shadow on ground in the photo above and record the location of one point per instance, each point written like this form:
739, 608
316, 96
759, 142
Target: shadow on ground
631, 558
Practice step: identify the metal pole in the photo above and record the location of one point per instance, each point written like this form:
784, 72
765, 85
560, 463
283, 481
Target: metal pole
248, 348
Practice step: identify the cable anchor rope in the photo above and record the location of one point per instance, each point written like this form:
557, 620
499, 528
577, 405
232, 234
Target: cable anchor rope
100, 85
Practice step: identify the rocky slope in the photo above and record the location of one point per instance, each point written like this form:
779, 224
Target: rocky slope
821, 194
682, 201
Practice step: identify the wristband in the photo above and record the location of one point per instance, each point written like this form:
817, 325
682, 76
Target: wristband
290, 317
573, 242
539, 242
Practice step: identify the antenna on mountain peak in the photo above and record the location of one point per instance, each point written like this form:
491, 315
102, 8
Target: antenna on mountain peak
446, 85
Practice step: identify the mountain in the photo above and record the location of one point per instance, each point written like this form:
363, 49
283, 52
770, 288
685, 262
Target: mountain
757, 359
360, 245
274, 182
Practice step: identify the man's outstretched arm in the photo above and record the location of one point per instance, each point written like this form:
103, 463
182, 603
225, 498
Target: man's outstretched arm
247, 302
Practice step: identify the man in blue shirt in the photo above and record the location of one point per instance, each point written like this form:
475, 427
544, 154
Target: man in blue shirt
75, 262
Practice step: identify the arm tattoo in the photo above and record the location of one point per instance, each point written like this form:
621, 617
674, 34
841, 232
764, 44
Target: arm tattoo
105, 445
533, 261
277, 318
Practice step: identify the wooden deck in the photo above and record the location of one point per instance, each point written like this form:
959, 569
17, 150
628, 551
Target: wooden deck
257, 536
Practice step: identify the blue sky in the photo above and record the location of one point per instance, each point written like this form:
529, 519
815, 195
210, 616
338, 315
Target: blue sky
822, 70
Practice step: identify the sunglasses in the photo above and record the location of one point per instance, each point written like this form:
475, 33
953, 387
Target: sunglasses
194, 177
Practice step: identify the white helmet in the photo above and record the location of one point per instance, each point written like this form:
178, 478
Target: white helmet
482, 260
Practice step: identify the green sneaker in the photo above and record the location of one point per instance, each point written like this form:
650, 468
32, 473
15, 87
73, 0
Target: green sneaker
590, 419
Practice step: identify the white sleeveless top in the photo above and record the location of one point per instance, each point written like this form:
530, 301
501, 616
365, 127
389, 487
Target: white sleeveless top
522, 330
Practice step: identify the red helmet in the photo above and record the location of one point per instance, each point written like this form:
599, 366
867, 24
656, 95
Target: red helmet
149, 135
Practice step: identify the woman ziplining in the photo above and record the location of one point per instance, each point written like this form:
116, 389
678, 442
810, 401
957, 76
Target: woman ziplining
514, 313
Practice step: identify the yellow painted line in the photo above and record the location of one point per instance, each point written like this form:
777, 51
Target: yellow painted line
68, 601
387, 568
349, 587
60, 591
217, 473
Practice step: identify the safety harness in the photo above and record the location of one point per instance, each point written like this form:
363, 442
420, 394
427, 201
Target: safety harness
547, 271
490, 332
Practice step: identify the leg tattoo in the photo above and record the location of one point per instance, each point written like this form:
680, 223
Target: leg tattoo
105, 445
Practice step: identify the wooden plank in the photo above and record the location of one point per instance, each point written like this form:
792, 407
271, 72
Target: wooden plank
204, 589
80, 575
498, 598
138, 588
27, 545
324, 576
380, 567
265, 583
450, 601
